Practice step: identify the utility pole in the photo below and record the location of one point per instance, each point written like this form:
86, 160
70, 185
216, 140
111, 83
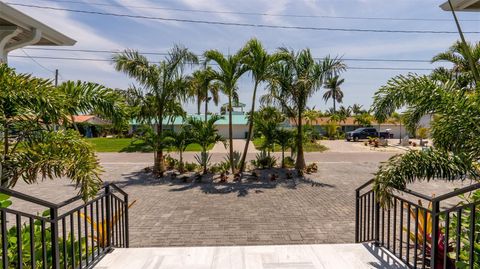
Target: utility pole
56, 77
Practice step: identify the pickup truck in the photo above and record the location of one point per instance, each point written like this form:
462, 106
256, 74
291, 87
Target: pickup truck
364, 133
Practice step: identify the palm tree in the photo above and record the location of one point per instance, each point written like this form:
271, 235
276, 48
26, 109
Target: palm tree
165, 83
87, 97
284, 138
180, 141
293, 82
364, 119
259, 62
357, 109
458, 54
312, 115
455, 132
345, 111
333, 91
267, 121
31, 149
205, 134
230, 69
202, 85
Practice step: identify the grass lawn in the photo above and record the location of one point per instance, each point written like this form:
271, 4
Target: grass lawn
308, 147
103, 144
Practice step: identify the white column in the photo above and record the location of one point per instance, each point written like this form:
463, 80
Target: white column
9, 32
6, 34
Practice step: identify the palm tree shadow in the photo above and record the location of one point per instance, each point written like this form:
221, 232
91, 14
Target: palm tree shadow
209, 184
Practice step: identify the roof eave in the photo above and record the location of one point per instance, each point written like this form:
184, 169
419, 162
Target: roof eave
462, 5
26, 22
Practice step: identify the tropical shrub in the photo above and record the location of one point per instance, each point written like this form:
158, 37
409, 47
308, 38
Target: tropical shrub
465, 219
263, 160
191, 167
38, 236
288, 162
425, 227
203, 159
235, 159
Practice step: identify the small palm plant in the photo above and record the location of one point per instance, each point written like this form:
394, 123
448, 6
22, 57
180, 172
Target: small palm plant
180, 141
205, 134
284, 138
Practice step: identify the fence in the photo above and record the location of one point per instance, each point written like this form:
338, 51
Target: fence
432, 232
71, 234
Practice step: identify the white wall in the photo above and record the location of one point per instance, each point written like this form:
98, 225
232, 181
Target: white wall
238, 131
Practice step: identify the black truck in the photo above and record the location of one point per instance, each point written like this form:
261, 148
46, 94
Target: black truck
364, 133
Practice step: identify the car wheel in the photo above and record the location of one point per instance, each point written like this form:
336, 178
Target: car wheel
355, 139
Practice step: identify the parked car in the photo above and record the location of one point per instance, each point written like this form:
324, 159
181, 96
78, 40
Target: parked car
365, 133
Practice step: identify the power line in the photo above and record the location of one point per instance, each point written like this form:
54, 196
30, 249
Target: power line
107, 60
269, 26
35, 61
165, 53
252, 13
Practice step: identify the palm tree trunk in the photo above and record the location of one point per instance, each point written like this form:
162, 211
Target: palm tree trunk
206, 106
334, 107
230, 131
250, 129
159, 166
300, 163
283, 156
199, 103
181, 161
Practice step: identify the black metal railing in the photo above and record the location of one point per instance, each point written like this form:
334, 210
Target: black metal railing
423, 231
71, 234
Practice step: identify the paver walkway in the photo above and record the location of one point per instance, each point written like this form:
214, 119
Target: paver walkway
347, 256
254, 213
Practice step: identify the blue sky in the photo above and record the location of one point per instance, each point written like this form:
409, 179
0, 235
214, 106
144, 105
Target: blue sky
113, 33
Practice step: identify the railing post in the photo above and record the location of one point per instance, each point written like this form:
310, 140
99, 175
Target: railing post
108, 215
435, 231
357, 220
377, 220
54, 238
127, 237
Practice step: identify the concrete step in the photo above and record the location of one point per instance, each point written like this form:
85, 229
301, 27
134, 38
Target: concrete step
335, 256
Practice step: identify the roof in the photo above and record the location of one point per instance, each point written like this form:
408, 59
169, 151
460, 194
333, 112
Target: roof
11, 18
349, 121
236, 119
89, 119
462, 5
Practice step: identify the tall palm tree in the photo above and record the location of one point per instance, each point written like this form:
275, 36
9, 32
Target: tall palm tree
230, 69
203, 85
293, 82
165, 83
333, 91
259, 63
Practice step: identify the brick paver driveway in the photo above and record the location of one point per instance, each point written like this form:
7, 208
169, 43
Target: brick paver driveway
256, 213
